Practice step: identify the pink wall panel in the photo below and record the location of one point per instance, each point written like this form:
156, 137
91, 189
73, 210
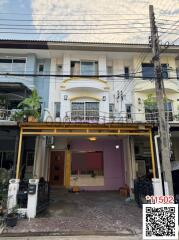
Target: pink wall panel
113, 161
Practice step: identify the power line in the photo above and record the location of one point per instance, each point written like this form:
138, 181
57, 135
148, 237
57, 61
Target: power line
78, 33
86, 14
67, 29
73, 20
76, 76
71, 25
166, 20
68, 75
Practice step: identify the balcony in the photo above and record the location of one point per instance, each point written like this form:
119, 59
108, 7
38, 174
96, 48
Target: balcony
94, 116
7, 115
148, 86
84, 83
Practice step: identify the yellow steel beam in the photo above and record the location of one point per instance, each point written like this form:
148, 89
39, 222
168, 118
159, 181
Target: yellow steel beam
152, 155
19, 155
82, 128
87, 133
67, 168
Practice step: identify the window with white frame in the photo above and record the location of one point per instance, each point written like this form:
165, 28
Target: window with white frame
111, 110
41, 68
85, 111
84, 67
16, 65
149, 72
57, 109
126, 72
128, 111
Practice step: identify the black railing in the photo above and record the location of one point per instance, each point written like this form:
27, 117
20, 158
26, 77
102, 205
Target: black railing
22, 195
42, 196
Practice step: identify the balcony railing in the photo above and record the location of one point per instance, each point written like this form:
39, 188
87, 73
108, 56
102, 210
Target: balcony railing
121, 117
169, 116
6, 114
95, 116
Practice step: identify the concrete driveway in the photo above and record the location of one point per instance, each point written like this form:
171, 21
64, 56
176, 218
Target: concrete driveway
84, 213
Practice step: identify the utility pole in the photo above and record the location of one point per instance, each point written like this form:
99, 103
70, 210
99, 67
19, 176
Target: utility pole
159, 86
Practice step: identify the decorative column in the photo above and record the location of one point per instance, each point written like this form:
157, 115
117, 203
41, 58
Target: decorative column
67, 168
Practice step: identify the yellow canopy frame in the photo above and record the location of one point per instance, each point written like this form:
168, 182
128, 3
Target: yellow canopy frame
74, 129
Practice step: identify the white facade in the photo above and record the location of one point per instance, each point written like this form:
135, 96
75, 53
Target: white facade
102, 90
117, 98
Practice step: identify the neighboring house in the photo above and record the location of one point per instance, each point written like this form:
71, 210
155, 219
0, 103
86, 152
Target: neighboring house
94, 131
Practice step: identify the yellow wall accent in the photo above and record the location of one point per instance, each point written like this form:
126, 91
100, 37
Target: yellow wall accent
19, 155
67, 168
80, 96
84, 78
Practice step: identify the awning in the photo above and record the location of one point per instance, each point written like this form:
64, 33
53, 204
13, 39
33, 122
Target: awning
14, 91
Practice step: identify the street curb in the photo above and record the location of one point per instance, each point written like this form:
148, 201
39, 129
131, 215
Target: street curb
71, 233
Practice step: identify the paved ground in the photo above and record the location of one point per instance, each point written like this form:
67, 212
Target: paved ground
85, 213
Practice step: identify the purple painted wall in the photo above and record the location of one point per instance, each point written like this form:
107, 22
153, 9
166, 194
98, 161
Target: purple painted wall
113, 161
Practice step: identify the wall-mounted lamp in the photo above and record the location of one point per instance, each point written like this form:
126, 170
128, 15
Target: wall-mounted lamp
117, 146
52, 146
104, 98
65, 97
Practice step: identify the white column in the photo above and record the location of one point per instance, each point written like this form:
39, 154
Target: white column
39, 161
172, 64
65, 105
102, 65
12, 194
127, 163
157, 186
52, 88
32, 198
133, 161
66, 64
104, 107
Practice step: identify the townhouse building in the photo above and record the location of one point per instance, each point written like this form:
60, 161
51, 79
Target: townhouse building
98, 111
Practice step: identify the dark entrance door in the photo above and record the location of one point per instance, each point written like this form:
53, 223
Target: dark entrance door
57, 168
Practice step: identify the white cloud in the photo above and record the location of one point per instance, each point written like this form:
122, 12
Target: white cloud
128, 9
2, 3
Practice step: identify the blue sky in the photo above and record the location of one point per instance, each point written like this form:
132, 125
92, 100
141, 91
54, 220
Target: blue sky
90, 20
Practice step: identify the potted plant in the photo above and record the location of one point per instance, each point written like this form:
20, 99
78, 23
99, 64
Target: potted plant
30, 107
18, 116
12, 217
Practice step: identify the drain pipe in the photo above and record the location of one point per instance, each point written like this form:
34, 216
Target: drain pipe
158, 182
157, 156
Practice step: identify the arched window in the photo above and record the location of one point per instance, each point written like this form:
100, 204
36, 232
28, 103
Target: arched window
85, 111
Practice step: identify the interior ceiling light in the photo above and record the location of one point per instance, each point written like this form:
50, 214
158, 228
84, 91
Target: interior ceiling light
92, 139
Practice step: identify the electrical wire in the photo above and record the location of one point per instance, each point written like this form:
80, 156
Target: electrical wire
73, 20
71, 25
86, 14
67, 29
71, 76
72, 33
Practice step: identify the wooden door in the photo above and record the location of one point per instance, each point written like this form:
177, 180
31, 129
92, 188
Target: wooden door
57, 168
